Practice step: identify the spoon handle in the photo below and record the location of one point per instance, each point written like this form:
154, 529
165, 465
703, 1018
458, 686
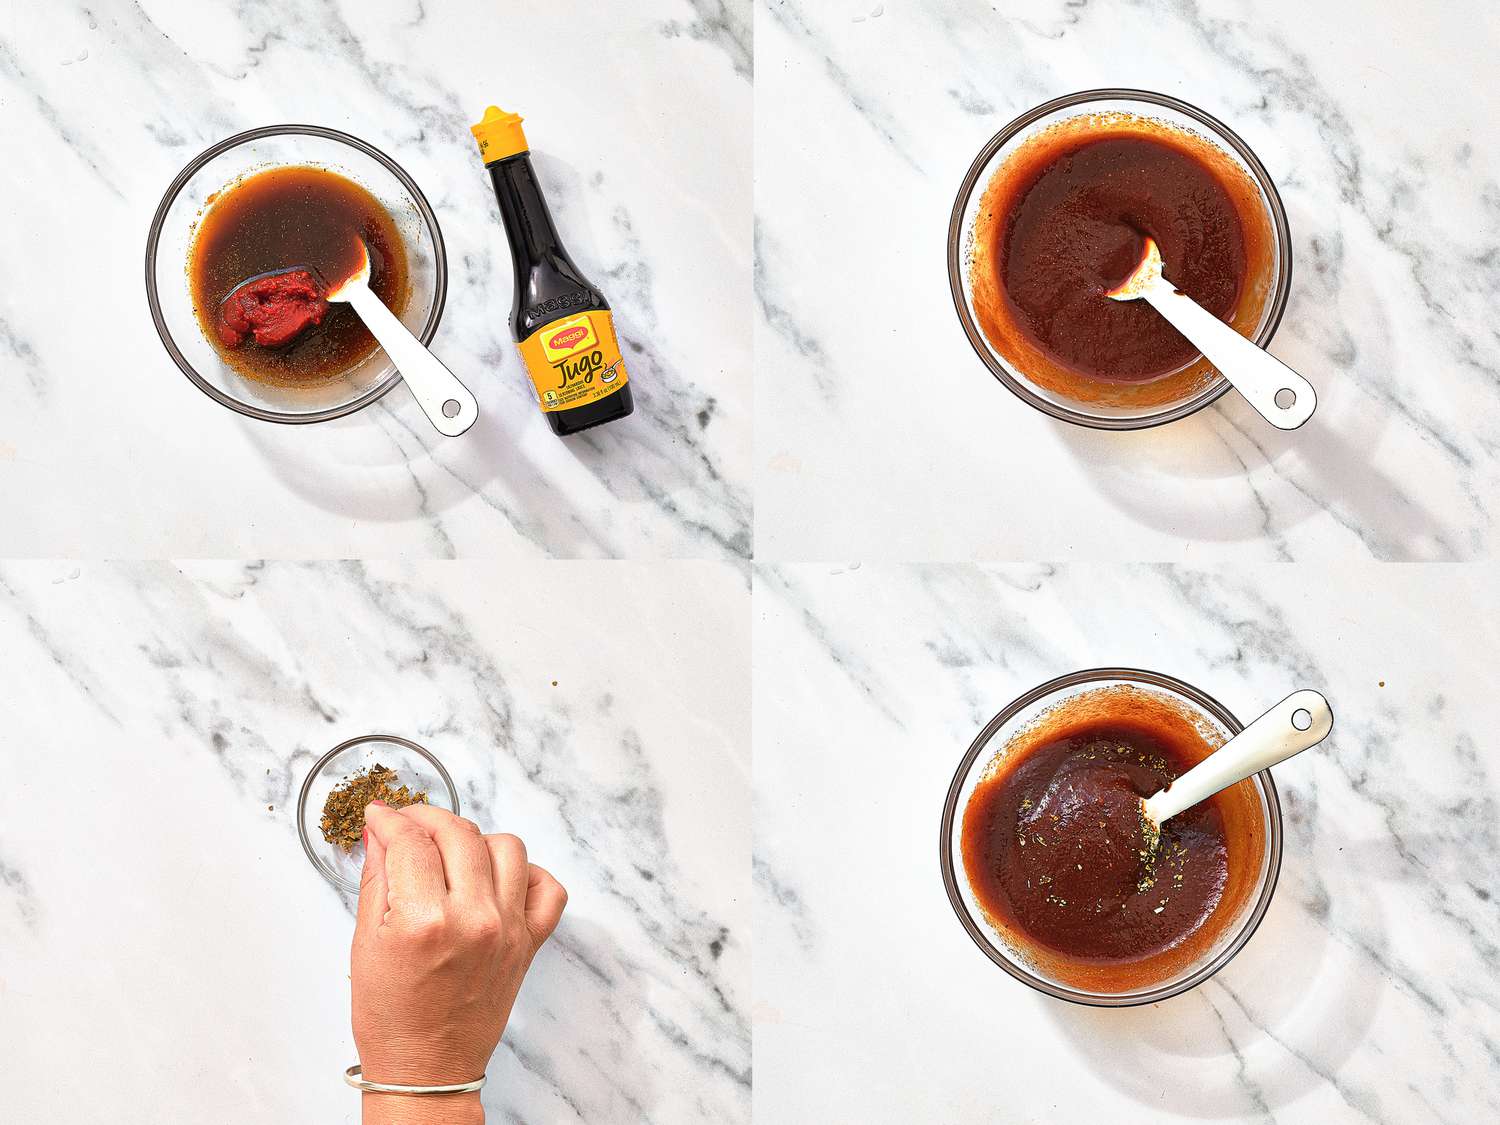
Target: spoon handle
1258, 375
1272, 738
447, 403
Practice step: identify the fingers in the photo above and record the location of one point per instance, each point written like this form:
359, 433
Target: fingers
545, 899
466, 859
413, 866
508, 862
417, 856
372, 886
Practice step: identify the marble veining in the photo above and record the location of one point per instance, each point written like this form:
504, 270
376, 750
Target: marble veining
1369, 992
869, 390
642, 140
724, 23
159, 720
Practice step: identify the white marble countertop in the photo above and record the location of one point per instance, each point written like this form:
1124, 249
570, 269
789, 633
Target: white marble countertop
1369, 992
880, 435
640, 124
167, 952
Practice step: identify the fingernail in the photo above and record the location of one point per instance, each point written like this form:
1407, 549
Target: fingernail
382, 804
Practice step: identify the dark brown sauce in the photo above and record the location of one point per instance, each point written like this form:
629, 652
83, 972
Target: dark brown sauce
1077, 229
1057, 856
286, 218
1057, 847
1062, 220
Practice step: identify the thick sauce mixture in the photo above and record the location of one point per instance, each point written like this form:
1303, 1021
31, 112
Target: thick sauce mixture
1076, 230
1062, 221
1059, 859
1057, 846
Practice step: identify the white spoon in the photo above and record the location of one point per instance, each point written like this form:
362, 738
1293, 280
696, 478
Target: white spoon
446, 402
1281, 396
1299, 722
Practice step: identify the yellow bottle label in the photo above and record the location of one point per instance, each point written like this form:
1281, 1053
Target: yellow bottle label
574, 361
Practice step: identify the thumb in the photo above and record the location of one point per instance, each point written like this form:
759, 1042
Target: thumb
372, 887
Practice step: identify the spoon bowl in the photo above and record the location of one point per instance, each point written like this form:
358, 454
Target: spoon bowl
360, 275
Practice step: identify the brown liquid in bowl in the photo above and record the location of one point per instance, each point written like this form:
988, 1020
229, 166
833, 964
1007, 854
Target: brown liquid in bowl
1055, 853
1063, 220
279, 220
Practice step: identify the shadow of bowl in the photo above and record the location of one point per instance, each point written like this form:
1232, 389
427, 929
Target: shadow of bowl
1276, 1023
1225, 475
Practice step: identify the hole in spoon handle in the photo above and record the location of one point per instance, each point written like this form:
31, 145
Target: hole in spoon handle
1310, 717
449, 407
1299, 722
1279, 395
427, 377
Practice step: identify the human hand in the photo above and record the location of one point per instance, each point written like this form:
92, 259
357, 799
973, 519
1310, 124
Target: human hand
449, 920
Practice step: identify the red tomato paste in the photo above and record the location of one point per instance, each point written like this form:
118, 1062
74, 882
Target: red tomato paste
275, 309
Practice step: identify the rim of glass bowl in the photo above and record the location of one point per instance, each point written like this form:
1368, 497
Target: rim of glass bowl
956, 235
317, 768
440, 257
976, 930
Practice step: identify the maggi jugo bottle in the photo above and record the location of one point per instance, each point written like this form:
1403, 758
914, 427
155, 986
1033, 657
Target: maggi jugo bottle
560, 321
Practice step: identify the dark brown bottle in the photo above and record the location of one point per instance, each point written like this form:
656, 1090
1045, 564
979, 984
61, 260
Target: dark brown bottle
560, 321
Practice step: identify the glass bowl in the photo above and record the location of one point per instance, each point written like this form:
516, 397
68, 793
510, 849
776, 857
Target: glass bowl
414, 766
171, 240
1140, 103
1215, 721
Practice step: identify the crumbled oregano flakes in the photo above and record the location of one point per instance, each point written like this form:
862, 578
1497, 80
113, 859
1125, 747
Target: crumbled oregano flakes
344, 811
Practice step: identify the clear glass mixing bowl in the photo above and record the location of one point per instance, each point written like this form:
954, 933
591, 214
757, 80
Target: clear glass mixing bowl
171, 240
997, 733
1140, 103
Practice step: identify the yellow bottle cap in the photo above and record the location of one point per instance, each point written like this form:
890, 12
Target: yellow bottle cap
499, 135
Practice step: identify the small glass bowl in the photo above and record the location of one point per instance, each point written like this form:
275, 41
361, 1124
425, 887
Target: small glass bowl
414, 766
171, 241
1141, 103
997, 733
